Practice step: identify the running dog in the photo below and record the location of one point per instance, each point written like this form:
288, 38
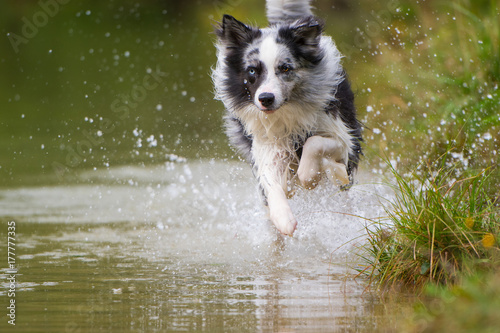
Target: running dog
289, 106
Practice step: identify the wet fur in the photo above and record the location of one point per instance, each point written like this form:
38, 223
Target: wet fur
312, 103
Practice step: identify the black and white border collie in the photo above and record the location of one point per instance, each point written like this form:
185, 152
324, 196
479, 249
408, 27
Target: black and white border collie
289, 107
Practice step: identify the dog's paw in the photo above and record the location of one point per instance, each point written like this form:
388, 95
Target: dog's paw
336, 172
285, 222
310, 182
287, 228
309, 174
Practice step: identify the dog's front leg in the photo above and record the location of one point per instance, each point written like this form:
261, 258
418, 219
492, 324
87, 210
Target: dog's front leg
323, 155
272, 170
279, 211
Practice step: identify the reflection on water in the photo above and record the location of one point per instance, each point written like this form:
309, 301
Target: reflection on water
186, 247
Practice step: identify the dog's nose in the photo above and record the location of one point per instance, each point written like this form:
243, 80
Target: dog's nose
266, 99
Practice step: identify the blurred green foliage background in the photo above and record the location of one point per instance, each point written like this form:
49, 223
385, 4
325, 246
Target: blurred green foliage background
90, 84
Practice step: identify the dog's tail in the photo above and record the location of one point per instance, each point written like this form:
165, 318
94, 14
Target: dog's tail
287, 10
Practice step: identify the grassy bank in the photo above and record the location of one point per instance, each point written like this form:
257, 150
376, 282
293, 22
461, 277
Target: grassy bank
433, 104
441, 243
439, 229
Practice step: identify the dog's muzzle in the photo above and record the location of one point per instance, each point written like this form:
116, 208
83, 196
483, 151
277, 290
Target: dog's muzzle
266, 99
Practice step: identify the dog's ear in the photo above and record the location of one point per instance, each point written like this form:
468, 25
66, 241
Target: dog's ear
234, 32
304, 36
307, 31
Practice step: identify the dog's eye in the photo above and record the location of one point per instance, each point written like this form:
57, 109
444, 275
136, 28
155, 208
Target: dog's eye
252, 71
285, 68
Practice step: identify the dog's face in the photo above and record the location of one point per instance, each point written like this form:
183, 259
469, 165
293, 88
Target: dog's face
264, 67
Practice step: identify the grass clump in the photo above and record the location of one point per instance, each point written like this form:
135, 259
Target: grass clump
440, 227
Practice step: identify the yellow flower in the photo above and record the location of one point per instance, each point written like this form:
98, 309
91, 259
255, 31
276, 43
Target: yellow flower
469, 222
488, 240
